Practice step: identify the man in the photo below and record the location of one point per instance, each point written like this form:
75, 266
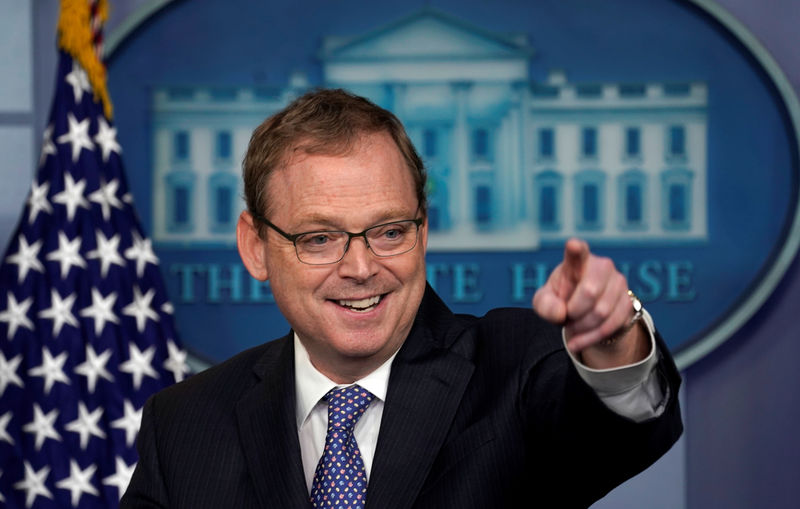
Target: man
449, 410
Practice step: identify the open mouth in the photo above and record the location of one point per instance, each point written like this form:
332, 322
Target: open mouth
361, 305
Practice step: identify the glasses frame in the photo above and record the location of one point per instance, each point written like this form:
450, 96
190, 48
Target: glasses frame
292, 237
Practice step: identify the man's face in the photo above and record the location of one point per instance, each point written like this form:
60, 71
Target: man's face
352, 315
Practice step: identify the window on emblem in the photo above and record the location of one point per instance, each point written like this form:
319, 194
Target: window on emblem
676, 199
546, 143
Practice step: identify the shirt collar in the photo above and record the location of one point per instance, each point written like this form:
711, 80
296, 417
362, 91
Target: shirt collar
312, 385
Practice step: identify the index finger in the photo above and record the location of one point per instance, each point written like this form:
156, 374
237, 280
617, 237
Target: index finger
576, 253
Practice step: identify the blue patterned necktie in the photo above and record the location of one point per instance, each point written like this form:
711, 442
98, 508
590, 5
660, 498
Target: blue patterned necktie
340, 481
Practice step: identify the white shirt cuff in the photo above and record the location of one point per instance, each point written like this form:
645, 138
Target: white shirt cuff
632, 391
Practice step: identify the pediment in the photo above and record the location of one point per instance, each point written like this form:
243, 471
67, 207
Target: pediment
427, 34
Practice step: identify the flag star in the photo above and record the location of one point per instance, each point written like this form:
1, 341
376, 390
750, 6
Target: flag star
42, 425
142, 252
33, 484
72, 195
60, 311
78, 482
38, 201
8, 372
139, 364
176, 362
106, 197
77, 136
127, 198
78, 81
51, 369
86, 424
107, 251
129, 422
101, 310
16, 315
94, 366
140, 308
122, 476
168, 308
67, 254
27, 257
4, 420
106, 137
48, 148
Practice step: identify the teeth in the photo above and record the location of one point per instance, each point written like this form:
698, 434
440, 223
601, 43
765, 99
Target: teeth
362, 303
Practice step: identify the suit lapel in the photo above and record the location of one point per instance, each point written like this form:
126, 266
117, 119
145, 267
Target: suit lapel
266, 418
425, 389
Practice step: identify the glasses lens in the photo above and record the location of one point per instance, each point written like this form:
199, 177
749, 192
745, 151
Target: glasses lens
392, 238
318, 248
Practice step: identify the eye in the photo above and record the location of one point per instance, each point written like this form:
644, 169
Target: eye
315, 240
318, 239
392, 233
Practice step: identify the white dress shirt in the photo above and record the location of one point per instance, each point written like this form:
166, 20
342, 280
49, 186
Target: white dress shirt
632, 391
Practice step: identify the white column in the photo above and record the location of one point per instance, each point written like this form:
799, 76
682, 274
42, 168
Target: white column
462, 213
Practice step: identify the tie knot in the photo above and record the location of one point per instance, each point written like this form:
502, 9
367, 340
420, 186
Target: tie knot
346, 405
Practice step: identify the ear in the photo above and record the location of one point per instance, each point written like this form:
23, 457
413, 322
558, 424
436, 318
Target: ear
425, 235
251, 247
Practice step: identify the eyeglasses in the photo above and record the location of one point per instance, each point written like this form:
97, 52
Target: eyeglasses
324, 247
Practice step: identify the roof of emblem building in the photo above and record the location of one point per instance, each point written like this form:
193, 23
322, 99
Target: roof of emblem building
429, 33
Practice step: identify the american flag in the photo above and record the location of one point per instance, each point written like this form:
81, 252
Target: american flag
86, 330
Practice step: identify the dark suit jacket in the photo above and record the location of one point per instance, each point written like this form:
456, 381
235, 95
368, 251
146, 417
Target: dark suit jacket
480, 412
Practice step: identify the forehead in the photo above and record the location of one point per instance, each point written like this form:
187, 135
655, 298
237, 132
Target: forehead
371, 181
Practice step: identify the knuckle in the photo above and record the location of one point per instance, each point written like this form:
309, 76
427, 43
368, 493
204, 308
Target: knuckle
591, 290
602, 311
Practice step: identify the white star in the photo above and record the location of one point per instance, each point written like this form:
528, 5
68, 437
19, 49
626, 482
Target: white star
78, 482
168, 308
72, 195
42, 425
33, 484
140, 308
8, 372
176, 362
94, 366
86, 424
129, 422
4, 420
106, 197
60, 311
48, 147
27, 258
101, 310
67, 254
38, 201
51, 369
142, 252
16, 315
79, 81
78, 136
106, 137
127, 198
107, 251
139, 364
122, 476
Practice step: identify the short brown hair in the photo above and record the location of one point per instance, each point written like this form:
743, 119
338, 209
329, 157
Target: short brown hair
323, 121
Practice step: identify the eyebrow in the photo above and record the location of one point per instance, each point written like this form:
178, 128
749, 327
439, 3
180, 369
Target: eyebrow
327, 223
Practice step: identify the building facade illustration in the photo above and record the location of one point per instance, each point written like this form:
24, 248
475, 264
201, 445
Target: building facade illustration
513, 162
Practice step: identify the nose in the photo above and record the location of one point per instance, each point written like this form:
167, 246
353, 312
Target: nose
358, 262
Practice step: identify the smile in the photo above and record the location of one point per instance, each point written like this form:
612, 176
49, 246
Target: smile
361, 304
